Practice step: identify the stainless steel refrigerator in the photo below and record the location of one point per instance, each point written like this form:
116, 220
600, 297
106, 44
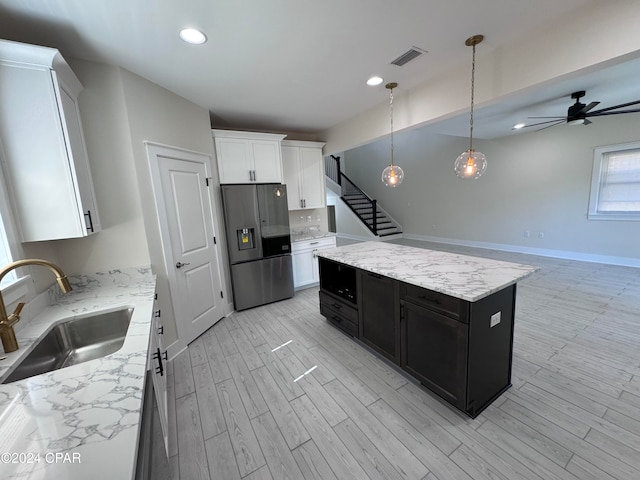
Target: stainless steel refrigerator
259, 242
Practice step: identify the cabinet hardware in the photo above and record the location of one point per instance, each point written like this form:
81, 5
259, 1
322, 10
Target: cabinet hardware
161, 330
215, 242
165, 356
337, 319
304, 203
314, 243
206, 180
157, 313
301, 204
336, 305
88, 215
180, 264
155, 296
315, 253
157, 355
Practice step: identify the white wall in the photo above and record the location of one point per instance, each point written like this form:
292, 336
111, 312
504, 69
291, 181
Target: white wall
122, 241
605, 33
537, 181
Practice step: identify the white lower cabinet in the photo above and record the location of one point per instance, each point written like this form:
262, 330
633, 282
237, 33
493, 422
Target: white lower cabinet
158, 367
305, 260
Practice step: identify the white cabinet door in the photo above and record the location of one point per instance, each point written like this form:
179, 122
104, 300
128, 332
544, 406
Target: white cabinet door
312, 177
291, 176
303, 267
267, 162
43, 144
248, 157
305, 261
234, 164
158, 367
303, 168
79, 159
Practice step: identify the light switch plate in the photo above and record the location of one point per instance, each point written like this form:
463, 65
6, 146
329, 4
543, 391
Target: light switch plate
495, 319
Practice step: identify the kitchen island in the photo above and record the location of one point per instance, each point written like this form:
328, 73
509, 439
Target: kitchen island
446, 319
81, 421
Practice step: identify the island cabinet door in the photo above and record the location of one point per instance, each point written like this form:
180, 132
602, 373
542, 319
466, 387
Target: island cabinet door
380, 314
434, 350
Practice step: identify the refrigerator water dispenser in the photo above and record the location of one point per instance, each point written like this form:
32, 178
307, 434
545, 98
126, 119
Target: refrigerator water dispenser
246, 238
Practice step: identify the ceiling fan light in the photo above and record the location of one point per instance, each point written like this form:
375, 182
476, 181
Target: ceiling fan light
470, 164
373, 81
577, 121
518, 126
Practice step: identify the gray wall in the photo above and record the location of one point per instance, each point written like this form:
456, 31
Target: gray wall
536, 181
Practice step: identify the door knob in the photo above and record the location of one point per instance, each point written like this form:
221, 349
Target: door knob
180, 264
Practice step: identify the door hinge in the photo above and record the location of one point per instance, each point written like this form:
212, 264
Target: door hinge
221, 294
206, 180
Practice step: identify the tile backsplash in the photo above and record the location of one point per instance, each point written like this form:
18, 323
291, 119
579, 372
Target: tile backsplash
309, 220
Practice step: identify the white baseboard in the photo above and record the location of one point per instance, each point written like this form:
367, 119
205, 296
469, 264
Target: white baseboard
543, 252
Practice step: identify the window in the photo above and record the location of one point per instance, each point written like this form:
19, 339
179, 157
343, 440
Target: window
615, 183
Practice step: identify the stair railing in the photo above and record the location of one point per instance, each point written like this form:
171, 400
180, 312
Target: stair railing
350, 188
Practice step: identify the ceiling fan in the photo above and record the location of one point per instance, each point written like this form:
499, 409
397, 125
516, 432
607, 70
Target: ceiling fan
579, 113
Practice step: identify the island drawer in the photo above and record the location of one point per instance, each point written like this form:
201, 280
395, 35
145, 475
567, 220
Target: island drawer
339, 320
437, 301
346, 311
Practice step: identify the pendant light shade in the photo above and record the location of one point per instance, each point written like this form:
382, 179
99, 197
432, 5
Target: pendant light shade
471, 164
393, 175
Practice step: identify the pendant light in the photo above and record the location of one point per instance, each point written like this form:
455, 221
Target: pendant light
471, 164
393, 175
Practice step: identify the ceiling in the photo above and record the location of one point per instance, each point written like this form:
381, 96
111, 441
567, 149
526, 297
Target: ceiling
301, 65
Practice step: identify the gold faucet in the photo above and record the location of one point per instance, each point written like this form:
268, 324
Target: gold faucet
7, 334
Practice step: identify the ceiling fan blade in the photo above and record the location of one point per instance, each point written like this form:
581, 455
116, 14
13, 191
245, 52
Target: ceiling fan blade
615, 107
552, 125
600, 113
587, 121
560, 120
557, 116
586, 108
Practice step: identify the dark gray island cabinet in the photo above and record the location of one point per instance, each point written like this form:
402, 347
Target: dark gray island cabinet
445, 319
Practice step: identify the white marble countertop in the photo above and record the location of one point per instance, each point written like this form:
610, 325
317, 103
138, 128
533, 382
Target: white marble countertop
461, 276
301, 237
82, 421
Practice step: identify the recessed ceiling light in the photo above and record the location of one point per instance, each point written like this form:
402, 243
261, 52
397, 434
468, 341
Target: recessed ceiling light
518, 126
193, 36
373, 81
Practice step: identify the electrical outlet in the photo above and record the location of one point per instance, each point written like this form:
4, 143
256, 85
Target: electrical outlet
495, 319
527, 234
541, 235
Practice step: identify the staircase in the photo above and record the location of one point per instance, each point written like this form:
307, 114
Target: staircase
381, 225
363, 208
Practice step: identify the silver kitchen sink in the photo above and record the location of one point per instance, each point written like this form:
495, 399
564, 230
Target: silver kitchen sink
73, 342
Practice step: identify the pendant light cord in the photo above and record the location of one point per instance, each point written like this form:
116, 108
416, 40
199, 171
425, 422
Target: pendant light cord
391, 110
473, 77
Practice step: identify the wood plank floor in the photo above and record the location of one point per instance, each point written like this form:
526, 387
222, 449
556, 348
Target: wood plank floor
245, 404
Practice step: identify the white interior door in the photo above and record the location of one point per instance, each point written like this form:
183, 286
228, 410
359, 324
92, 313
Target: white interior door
185, 213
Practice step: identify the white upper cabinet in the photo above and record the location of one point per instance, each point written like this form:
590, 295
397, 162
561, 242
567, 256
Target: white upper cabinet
45, 158
247, 157
303, 168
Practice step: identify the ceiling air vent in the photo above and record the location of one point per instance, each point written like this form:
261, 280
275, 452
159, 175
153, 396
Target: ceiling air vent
406, 57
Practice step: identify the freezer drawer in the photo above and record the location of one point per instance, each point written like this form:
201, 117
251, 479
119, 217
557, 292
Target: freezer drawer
262, 281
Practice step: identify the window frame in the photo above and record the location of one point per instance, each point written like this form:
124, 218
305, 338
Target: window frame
17, 285
599, 155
